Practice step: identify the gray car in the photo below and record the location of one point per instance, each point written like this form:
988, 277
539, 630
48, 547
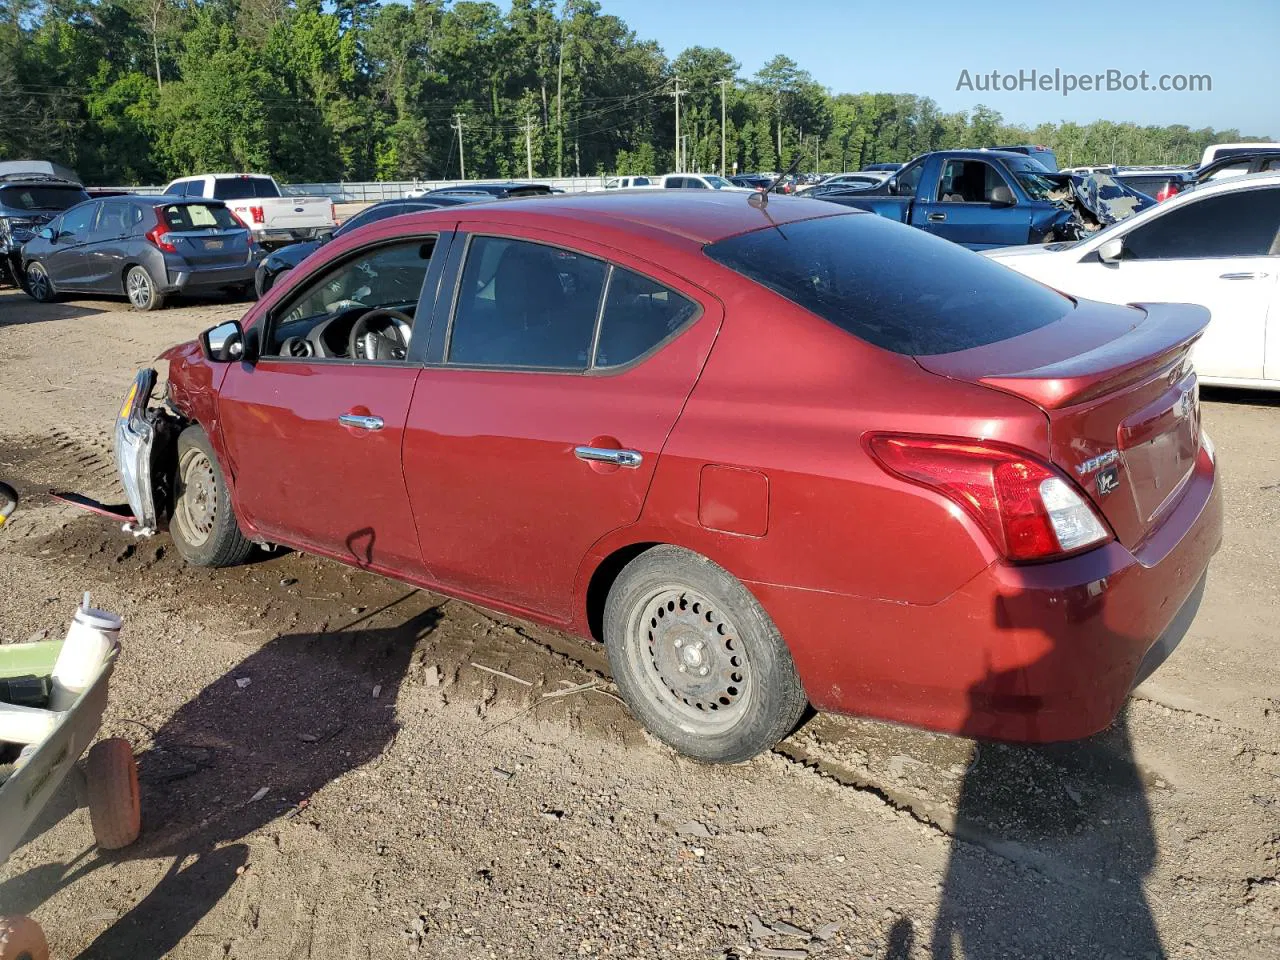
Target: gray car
143, 248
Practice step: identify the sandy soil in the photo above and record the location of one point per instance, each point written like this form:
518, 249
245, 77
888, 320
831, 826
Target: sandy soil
418, 804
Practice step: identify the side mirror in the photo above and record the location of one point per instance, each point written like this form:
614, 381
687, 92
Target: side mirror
1112, 250
891, 185
223, 343
49, 234
1002, 196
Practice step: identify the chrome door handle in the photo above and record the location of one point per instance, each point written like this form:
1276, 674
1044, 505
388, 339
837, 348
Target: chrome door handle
937, 217
1242, 276
364, 423
623, 458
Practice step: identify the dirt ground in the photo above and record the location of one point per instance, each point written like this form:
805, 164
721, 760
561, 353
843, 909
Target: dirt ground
417, 803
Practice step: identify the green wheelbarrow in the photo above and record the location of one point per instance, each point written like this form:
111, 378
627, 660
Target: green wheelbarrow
52, 696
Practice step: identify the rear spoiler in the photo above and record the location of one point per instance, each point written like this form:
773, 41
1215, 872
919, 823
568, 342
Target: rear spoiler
1167, 332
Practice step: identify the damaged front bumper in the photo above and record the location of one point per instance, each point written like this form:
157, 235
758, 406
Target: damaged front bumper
142, 436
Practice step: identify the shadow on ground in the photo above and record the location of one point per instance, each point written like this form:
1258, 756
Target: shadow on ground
306, 717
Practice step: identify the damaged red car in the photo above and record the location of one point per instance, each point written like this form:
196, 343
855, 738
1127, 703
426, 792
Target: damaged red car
772, 454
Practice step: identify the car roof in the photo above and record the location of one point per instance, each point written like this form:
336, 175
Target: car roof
700, 217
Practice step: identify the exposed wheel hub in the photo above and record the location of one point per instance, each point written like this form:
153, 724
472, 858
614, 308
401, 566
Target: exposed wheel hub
695, 655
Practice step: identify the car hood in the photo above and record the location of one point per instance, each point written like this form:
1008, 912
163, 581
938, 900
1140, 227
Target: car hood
1026, 250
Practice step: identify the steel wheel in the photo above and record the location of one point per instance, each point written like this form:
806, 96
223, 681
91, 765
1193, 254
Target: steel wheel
196, 511
38, 284
139, 289
691, 659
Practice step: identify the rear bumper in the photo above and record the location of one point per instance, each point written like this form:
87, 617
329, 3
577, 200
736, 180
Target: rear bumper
1025, 653
209, 278
292, 235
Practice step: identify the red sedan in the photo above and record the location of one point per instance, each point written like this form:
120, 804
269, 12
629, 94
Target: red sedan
770, 456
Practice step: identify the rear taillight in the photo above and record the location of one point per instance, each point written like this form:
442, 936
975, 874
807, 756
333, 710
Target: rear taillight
1167, 191
333, 212
1027, 509
257, 215
237, 218
157, 235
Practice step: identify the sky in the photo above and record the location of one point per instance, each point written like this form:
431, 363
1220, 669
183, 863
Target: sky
921, 47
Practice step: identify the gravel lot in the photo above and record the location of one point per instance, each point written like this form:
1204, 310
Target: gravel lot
418, 804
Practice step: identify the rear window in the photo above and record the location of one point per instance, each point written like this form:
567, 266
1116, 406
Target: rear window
32, 197
197, 216
895, 287
244, 188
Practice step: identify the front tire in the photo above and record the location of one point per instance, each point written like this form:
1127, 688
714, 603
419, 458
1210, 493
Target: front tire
141, 289
39, 284
204, 526
697, 659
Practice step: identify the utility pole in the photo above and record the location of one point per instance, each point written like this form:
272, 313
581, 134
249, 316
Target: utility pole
462, 160
817, 154
679, 166
724, 169
528, 143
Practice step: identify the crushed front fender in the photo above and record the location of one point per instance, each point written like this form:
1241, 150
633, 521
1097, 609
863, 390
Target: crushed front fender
144, 438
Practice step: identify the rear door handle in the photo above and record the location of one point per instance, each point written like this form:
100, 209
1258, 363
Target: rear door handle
937, 218
1242, 276
362, 422
623, 458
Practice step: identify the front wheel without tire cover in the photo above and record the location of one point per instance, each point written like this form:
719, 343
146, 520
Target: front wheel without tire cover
39, 286
697, 659
204, 527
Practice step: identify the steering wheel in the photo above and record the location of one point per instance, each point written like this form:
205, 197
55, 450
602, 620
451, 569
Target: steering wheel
386, 341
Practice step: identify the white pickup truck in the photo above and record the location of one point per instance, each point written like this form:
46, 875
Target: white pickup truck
273, 218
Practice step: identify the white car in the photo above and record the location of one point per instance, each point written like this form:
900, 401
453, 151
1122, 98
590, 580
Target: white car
630, 182
257, 200
698, 181
1217, 245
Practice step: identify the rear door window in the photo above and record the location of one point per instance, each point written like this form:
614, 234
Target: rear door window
1240, 224
525, 304
639, 314
896, 287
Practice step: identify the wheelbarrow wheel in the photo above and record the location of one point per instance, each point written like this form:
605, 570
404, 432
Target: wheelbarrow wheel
112, 776
22, 939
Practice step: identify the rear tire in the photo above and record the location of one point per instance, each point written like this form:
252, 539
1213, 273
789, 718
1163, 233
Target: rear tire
39, 285
697, 659
141, 289
112, 779
204, 526
22, 939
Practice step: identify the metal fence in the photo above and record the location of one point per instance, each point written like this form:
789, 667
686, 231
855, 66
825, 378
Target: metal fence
343, 192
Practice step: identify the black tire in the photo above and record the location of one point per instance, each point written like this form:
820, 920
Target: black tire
262, 283
39, 285
709, 674
204, 526
140, 287
112, 780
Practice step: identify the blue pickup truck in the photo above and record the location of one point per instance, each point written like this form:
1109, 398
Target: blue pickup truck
989, 198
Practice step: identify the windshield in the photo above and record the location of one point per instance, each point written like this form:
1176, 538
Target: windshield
718, 183
244, 188
896, 287
1037, 185
42, 197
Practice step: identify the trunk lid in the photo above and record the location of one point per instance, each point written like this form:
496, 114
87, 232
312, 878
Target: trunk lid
1122, 399
212, 247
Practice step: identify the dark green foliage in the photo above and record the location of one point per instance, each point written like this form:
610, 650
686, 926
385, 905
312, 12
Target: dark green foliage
138, 91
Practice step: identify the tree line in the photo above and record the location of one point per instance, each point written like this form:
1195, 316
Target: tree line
139, 91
